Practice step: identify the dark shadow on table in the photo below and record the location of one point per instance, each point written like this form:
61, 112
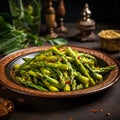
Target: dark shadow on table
39, 104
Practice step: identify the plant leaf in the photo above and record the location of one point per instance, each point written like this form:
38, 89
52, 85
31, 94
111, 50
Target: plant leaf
7, 42
58, 41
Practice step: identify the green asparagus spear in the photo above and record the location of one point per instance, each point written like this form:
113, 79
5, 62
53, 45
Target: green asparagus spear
27, 59
80, 86
70, 69
32, 73
45, 71
74, 85
40, 57
80, 65
16, 66
57, 65
50, 87
88, 56
66, 88
94, 75
83, 79
104, 69
47, 78
28, 83
53, 58
88, 61
61, 77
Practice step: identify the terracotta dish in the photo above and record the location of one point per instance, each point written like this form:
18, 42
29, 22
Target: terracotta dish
6, 79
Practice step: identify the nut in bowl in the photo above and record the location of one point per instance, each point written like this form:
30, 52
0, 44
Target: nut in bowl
110, 39
6, 108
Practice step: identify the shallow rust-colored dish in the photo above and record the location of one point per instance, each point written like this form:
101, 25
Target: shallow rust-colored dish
7, 63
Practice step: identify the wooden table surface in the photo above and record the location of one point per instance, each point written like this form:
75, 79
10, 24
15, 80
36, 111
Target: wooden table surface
101, 106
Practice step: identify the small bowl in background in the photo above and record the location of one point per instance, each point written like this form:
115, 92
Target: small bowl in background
110, 39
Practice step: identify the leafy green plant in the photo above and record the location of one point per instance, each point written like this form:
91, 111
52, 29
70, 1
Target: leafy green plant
26, 14
12, 39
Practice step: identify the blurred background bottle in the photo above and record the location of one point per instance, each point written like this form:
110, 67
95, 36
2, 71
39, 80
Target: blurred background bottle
26, 14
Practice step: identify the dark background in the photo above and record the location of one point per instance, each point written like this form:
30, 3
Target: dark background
102, 10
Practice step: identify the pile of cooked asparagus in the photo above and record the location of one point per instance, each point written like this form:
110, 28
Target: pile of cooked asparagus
58, 69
